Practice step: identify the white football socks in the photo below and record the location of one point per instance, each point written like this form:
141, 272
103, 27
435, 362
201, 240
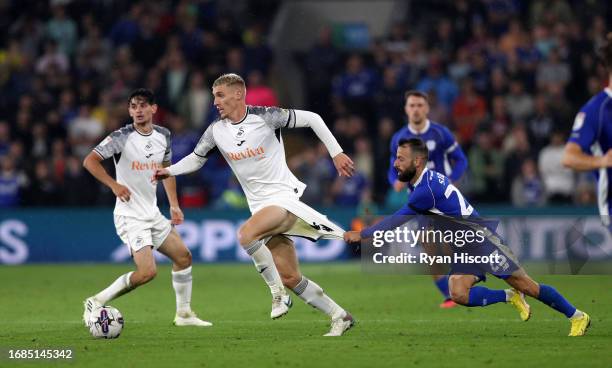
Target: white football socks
264, 263
313, 295
119, 287
182, 283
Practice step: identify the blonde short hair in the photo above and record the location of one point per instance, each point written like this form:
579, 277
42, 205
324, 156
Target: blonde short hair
229, 79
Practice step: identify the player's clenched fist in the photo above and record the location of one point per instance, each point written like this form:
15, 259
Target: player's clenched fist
352, 237
344, 165
160, 174
122, 192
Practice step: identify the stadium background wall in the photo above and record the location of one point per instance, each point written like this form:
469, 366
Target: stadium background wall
88, 235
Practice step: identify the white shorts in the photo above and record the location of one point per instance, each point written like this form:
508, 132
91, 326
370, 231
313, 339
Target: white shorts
137, 233
310, 224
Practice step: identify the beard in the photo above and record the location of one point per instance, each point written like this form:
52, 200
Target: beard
406, 175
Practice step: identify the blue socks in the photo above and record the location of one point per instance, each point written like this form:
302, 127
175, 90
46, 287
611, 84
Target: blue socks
442, 284
481, 296
551, 297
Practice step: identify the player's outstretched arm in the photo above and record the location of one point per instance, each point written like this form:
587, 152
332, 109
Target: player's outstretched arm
188, 164
574, 158
93, 165
343, 163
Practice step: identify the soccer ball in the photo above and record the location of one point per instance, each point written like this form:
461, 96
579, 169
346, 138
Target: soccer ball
106, 323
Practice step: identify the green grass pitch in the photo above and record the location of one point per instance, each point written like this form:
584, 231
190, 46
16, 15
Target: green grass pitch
399, 322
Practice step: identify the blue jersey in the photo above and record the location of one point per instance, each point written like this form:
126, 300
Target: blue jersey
432, 193
445, 154
592, 131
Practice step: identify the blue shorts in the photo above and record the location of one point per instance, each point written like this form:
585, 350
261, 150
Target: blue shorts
502, 262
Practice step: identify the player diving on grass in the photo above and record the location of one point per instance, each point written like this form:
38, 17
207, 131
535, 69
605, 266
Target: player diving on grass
432, 193
445, 155
137, 150
249, 139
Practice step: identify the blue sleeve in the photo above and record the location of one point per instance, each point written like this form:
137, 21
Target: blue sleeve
391, 173
455, 154
389, 222
584, 131
420, 200
459, 163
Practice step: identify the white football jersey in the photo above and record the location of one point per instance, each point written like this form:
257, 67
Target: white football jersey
136, 157
254, 149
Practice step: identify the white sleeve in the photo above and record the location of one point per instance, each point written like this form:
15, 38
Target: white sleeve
313, 120
188, 164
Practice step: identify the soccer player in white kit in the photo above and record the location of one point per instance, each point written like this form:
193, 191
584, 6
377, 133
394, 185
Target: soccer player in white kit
249, 139
137, 150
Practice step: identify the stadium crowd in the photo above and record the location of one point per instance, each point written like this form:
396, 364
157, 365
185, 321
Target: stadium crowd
507, 77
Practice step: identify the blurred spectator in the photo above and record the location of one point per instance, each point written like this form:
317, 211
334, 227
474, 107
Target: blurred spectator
74, 180
127, 29
11, 183
499, 121
5, 137
390, 98
258, 93
315, 169
541, 124
469, 110
527, 188
486, 165
63, 30
460, 67
195, 104
183, 139
176, 77
349, 192
520, 103
553, 71
148, 46
356, 86
437, 111
436, 81
386, 129
363, 158
84, 132
517, 150
42, 191
550, 12
40, 141
559, 181
52, 60
94, 53
256, 51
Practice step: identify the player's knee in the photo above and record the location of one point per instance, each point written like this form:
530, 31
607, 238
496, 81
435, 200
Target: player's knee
184, 260
245, 236
145, 275
460, 295
291, 280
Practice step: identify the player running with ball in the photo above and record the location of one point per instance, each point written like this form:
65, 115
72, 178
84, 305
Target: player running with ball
137, 150
249, 139
432, 193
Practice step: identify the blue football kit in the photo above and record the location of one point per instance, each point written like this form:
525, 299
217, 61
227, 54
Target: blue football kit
445, 154
592, 131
